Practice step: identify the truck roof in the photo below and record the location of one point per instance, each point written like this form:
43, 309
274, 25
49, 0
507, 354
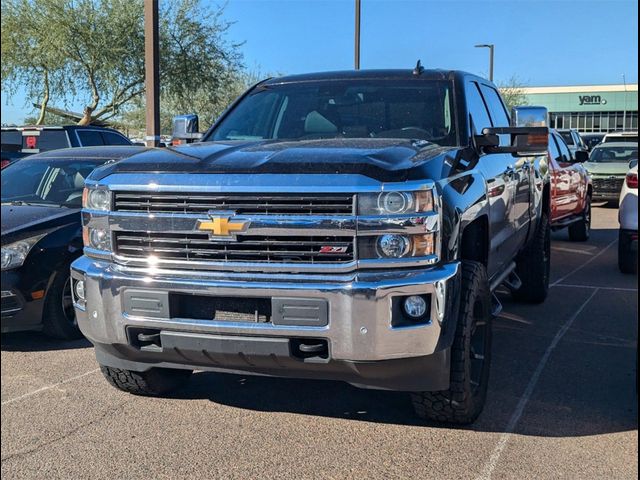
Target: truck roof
387, 74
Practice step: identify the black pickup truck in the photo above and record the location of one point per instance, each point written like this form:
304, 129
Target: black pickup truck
349, 226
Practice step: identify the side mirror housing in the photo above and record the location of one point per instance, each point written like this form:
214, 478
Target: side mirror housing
185, 129
581, 156
633, 163
528, 130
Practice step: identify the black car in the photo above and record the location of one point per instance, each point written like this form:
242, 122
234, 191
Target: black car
19, 142
41, 236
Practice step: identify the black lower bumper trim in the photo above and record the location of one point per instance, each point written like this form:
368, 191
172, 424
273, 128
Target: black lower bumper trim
274, 356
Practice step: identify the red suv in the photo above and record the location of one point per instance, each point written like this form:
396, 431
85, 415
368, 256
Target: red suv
570, 189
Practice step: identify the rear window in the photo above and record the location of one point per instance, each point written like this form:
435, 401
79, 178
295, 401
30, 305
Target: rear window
618, 139
567, 137
11, 137
46, 140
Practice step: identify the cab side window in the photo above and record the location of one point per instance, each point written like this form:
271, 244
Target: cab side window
496, 107
90, 138
553, 148
477, 108
565, 154
111, 138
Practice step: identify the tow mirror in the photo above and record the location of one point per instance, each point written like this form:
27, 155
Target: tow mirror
581, 156
185, 129
528, 130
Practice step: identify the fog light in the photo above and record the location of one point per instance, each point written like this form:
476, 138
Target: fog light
415, 306
79, 290
99, 239
393, 246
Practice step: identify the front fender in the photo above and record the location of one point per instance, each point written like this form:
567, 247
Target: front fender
464, 199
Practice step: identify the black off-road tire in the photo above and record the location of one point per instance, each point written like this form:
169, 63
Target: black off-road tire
465, 398
627, 258
533, 266
153, 382
580, 231
58, 316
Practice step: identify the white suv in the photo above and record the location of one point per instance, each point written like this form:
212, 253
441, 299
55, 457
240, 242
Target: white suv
617, 137
628, 218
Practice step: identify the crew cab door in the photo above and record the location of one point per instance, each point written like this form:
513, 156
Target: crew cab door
570, 175
499, 172
561, 189
519, 168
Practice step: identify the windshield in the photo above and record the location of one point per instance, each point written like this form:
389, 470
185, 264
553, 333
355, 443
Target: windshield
567, 137
614, 154
46, 181
343, 109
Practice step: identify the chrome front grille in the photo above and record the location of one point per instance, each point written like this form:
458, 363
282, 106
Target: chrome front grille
608, 185
198, 247
241, 204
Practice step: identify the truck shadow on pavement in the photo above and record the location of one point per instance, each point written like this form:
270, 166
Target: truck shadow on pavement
36, 342
587, 387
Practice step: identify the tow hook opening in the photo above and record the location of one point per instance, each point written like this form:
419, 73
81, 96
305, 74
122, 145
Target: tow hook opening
310, 349
145, 338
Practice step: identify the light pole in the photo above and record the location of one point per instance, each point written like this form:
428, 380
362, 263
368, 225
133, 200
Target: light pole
357, 38
624, 112
491, 47
152, 72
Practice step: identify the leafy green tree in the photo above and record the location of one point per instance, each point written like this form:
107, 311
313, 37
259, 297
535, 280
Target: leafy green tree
95, 52
512, 92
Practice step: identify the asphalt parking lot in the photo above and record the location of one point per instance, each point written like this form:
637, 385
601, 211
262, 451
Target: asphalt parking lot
562, 403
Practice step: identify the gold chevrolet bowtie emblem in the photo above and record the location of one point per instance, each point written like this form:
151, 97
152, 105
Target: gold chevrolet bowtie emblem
222, 226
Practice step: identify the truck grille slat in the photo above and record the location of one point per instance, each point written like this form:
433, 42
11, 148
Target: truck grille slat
269, 204
173, 246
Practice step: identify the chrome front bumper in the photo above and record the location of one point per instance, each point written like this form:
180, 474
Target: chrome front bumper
359, 308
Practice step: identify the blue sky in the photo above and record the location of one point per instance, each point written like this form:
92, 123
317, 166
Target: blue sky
541, 42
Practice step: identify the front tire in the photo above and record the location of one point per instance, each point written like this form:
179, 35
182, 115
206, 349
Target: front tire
59, 317
580, 231
533, 266
470, 356
153, 382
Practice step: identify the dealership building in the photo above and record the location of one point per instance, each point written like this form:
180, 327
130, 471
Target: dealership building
588, 108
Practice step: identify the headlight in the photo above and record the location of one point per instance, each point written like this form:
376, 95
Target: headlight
96, 199
14, 254
396, 246
96, 238
393, 246
395, 203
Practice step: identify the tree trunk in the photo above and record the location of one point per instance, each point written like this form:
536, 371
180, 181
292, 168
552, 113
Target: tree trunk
89, 109
86, 116
45, 100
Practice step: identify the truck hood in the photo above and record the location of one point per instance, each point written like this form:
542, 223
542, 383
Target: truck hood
382, 159
607, 168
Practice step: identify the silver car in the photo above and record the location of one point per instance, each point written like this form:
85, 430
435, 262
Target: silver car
608, 164
628, 218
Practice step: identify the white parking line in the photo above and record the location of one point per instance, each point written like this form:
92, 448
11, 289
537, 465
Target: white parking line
618, 289
29, 394
561, 279
517, 413
571, 250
